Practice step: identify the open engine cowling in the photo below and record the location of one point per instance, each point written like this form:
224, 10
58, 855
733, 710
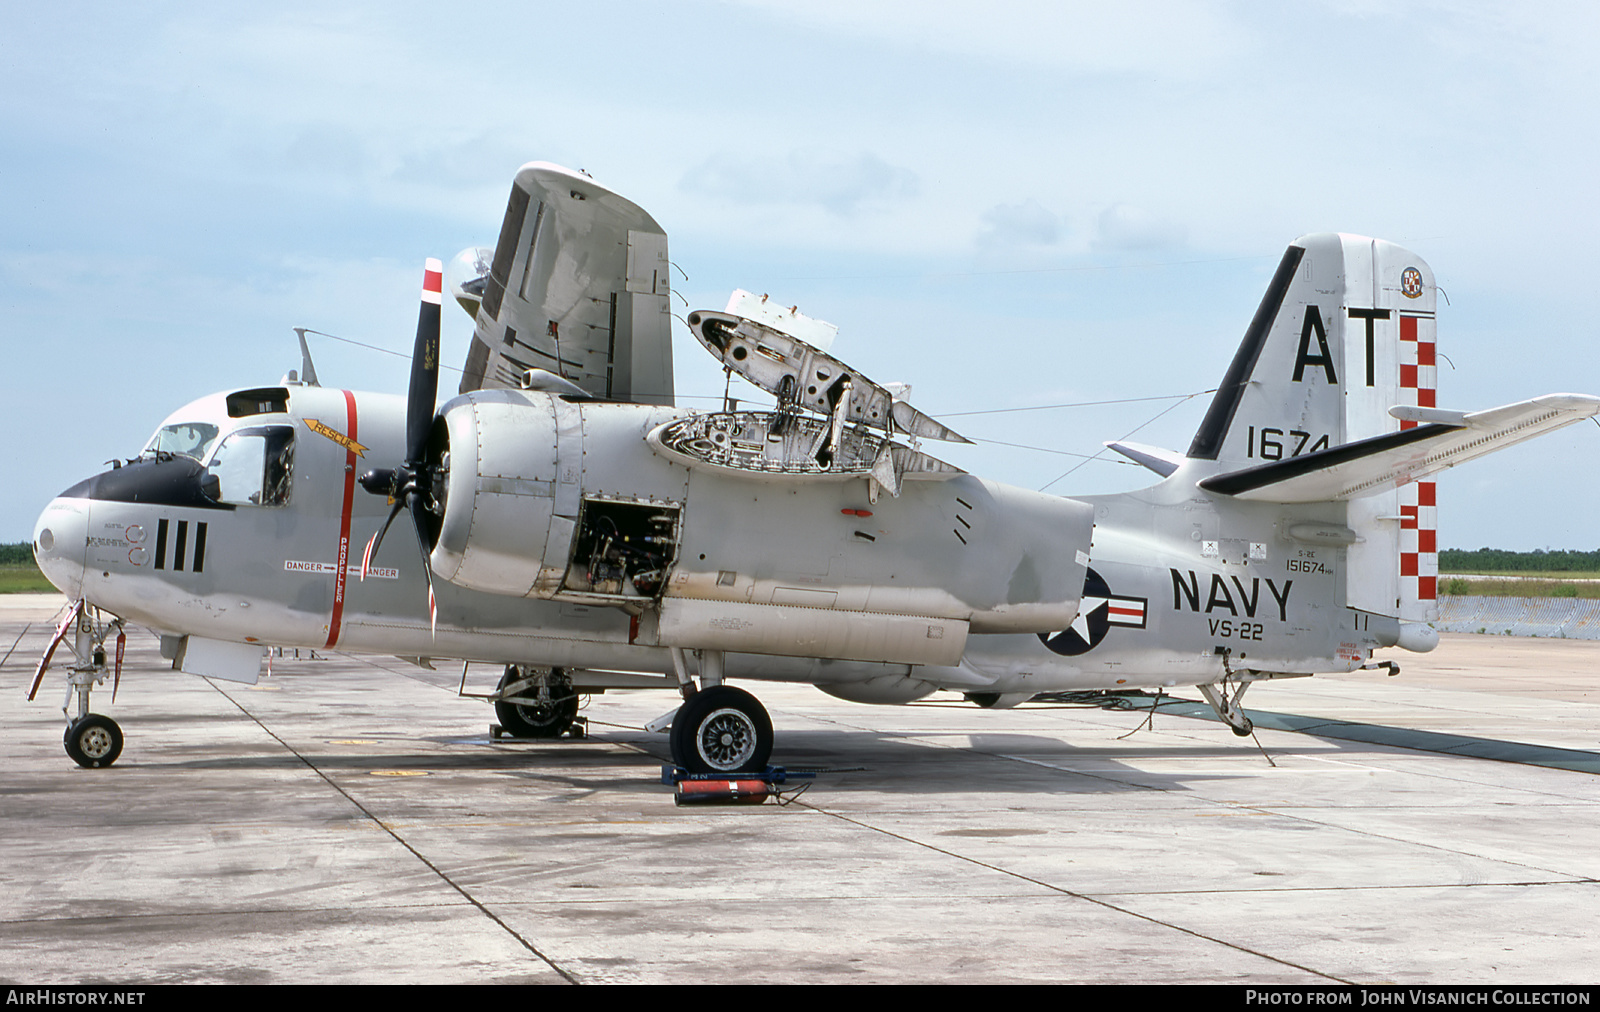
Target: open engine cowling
527, 507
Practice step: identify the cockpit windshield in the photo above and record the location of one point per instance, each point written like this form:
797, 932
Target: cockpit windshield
192, 439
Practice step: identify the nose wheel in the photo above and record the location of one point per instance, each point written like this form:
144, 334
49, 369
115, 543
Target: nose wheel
94, 741
722, 730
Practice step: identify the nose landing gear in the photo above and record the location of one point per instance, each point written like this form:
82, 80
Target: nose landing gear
92, 740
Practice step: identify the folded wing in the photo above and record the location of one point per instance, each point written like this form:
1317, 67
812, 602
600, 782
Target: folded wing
577, 287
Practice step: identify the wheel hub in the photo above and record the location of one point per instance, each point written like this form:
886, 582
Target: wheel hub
95, 742
727, 738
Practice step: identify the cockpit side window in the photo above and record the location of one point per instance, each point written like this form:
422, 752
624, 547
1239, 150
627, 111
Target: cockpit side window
252, 467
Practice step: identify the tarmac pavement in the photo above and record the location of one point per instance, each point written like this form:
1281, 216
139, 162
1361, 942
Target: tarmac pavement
349, 820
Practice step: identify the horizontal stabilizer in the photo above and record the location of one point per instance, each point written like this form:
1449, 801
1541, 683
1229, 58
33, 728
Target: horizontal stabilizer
1370, 466
1162, 462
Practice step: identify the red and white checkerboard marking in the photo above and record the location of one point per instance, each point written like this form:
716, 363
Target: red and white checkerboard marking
1419, 546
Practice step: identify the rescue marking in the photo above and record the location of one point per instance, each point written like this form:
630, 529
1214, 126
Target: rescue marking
348, 442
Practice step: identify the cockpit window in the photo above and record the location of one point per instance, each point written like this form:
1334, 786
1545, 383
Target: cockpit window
253, 467
192, 439
193, 430
266, 401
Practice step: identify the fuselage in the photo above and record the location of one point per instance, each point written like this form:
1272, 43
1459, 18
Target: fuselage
243, 522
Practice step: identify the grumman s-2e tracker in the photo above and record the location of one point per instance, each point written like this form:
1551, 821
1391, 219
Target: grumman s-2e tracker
584, 533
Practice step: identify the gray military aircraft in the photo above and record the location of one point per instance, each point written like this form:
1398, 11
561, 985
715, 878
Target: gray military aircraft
582, 533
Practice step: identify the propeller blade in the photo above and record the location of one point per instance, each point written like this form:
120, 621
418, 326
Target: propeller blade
377, 539
417, 508
424, 364
122, 646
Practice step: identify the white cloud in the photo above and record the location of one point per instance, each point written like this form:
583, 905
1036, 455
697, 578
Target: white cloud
1165, 38
843, 184
1125, 227
1026, 224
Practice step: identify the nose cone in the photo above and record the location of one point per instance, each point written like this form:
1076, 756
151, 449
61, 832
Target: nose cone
60, 540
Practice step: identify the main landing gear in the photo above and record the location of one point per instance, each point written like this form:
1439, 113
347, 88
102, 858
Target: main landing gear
1227, 707
93, 740
718, 729
535, 702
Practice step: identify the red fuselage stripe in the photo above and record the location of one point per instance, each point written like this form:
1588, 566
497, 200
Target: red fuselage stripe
344, 521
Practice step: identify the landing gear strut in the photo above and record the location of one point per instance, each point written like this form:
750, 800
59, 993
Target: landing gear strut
93, 740
1227, 708
535, 702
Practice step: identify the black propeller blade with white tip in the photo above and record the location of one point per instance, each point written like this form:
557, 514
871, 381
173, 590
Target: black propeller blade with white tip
411, 483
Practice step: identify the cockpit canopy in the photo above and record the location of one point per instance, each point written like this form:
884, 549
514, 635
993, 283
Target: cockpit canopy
192, 430
246, 460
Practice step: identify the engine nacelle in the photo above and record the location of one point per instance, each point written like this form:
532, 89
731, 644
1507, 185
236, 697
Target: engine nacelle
539, 499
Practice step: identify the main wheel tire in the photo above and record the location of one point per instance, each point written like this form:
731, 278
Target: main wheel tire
93, 742
722, 730
538, 720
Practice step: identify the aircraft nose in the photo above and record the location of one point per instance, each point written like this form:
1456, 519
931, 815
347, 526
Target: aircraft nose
60, 541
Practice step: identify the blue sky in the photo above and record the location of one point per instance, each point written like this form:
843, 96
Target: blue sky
1006, 205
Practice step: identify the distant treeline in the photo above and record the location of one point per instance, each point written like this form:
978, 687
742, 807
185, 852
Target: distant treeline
17, 554
1495, 560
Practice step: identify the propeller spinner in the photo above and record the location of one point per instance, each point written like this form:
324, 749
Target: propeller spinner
412, 482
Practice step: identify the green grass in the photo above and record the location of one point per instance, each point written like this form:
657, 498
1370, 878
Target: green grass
1531, 574
1465, 586
23, 579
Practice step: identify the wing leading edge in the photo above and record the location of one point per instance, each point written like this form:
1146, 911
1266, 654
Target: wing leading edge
578, 287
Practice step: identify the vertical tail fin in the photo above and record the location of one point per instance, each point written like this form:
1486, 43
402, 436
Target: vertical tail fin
1344, 333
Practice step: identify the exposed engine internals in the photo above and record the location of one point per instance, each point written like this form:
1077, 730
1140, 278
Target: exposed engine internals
623, 548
